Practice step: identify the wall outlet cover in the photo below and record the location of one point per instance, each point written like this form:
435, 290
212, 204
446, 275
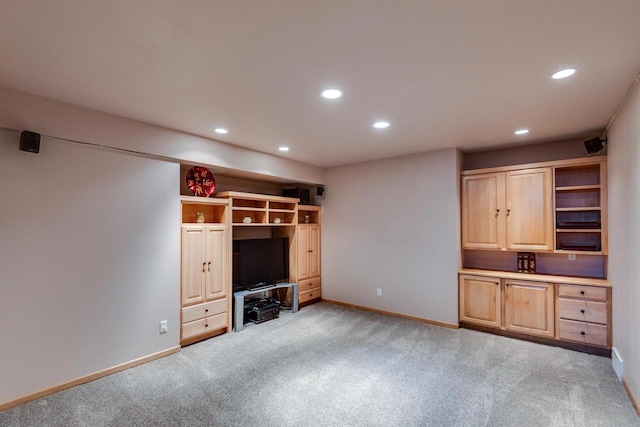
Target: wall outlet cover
163, 326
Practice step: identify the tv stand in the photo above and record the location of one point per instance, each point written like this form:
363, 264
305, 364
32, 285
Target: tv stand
238, 300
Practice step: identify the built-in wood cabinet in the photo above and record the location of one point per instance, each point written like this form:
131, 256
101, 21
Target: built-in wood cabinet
567, 309
308, 236
480, 300
203, 263
205, 287
529, 307
508, 210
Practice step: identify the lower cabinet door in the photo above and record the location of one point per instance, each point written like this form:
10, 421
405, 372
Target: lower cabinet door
529, 308
480, 300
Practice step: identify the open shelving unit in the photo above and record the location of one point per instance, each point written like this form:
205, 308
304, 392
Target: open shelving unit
580, 208
259, 210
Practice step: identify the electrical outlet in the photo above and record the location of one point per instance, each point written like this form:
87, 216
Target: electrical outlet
572, 257
379, 292
163, 326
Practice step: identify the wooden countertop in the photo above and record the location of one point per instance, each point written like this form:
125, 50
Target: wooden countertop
537, 277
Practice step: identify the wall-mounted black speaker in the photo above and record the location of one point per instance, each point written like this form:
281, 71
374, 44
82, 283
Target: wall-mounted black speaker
30, 141
319, 191
593, 145
299, 193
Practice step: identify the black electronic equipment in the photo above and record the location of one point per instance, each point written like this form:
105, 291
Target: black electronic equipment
299, 193
260, 310
260, 262
30, 141
594, 145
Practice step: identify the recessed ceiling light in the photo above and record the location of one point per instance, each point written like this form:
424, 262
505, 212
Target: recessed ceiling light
221, 130
283, 148
521, 131
331, 93
563, 73
381, 125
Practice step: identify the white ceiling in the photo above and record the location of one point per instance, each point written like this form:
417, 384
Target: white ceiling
445, 73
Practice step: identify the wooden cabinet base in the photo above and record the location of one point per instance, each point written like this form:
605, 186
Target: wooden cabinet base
194, 339
584, 348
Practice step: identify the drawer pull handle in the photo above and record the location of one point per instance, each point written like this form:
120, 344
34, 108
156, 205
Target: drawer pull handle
581, 292
583, 333
206, 310
582, 311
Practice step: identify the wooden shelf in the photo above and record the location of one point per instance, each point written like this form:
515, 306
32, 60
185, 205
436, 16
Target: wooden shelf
578, 209
263, 210
578, 188
214, 209
578, 230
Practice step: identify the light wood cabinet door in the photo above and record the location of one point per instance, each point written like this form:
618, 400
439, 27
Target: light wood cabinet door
529, 214
216, 261
203, 263
483, 213
193, 264
308, 251
480, 301
529, 308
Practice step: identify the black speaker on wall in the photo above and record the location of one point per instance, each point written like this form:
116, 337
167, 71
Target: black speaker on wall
299, 193
30, 141
320, 191
594, 145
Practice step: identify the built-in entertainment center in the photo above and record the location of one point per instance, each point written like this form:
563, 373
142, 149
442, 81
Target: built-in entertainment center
245, 255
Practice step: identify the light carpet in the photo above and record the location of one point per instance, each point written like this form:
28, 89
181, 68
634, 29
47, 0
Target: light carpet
329, 365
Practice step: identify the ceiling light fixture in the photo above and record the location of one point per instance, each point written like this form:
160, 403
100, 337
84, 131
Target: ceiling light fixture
283, 148
521, 131
381, 125
332, 93
563, 73
221, 130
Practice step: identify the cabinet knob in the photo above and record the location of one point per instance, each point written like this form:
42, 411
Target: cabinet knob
583, 333
206, 310
206, 325
209, 266
203, 266
582, 311
581, 292
497, 283
508, 212
497, 212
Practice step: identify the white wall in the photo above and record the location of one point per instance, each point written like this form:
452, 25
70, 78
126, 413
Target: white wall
624, 235
394, 224
89, 262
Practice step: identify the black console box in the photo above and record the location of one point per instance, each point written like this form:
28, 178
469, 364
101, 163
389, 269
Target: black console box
260, 310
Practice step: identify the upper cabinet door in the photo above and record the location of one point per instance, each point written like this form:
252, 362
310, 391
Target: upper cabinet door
314, 250
529, 214
216, 262
193, 264
483, 212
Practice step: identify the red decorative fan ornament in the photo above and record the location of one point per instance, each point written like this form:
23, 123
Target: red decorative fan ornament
201, 181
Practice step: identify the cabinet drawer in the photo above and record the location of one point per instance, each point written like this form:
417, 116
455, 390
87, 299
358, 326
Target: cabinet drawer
587, 311
195, 312
309, 295
587, 333
202, 326
586, 292
309, 284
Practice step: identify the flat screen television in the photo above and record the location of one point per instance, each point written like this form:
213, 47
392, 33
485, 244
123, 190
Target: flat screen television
259, 262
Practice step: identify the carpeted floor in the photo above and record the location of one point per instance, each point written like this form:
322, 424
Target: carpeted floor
334, 366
